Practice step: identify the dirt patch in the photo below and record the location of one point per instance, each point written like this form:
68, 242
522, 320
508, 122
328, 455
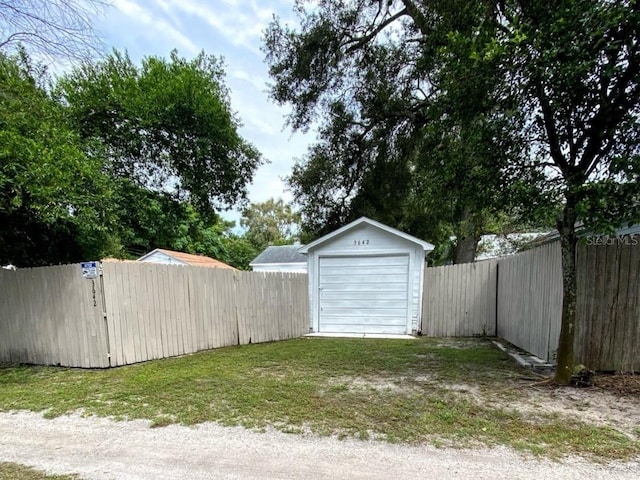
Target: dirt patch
379, 384
621, 385
590, 405
614, 402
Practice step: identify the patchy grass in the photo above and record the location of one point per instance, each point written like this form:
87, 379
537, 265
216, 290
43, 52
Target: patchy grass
446, 392
13, 471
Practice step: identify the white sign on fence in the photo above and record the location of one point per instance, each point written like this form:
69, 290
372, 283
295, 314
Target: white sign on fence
89, 270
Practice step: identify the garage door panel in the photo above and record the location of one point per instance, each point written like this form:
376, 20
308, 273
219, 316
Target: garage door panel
366, 270
363, 279
369, 321
363, 287
367, 294
358, 295
353, 304
359, 328
364, 261
396, 313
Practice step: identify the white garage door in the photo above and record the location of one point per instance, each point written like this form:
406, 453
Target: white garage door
366, 294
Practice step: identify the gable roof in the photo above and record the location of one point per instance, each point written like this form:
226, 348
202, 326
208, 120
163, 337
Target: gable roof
189, 259
426, 246
280, 254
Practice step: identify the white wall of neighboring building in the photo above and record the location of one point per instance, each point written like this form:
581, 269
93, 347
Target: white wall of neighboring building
162, 258
280, 267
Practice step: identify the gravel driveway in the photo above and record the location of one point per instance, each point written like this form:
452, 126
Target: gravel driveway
101, 449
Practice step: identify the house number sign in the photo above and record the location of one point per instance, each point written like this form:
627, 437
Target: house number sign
361, 242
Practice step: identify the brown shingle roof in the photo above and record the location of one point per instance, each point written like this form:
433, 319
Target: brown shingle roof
195, 260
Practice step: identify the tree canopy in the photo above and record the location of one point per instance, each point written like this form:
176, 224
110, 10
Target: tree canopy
272, 222
391, 145
166, 125
53, 196
142, 158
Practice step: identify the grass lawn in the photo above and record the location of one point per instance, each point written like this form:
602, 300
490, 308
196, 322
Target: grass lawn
12, 471
445, 392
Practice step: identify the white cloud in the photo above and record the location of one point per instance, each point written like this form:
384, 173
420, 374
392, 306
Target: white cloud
241, 23
158, 25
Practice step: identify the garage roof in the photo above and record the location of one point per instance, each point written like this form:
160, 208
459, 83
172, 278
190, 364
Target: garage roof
427, 247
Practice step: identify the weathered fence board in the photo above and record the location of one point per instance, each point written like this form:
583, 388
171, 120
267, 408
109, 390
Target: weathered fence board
529, 299
460, 300
608, 307
52, 316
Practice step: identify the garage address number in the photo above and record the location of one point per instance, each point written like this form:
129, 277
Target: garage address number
361, 242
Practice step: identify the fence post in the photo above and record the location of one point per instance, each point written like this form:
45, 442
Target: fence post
104, 312
497, 297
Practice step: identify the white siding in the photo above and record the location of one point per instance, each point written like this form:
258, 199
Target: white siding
280, 267
365, 240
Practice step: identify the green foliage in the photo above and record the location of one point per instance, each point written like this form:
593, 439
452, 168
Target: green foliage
272, 222
149, 219
238, 251
121, 160
165, 125
414, 130
54, 199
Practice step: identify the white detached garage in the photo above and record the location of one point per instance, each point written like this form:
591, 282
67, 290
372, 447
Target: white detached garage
366, 277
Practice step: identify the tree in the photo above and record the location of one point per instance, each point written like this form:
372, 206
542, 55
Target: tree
576, 65
561, 94
391, 145
238, 251
268, 223
54, 199
166, 125
53, 28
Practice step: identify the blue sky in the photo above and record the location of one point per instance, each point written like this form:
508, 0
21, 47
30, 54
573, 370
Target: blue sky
231, 29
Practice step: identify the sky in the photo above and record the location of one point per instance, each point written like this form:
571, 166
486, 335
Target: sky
231, 29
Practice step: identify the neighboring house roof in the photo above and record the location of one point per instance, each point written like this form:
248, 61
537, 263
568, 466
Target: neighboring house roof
280, 254
428, 247
189, 259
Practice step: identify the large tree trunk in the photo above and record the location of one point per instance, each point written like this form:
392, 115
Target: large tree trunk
467, 238
564, 356
466, 249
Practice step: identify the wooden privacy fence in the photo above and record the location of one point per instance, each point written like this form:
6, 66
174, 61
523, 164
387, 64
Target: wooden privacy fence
527, 290
139, 311
460, 300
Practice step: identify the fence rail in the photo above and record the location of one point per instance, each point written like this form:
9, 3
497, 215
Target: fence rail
140, 311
